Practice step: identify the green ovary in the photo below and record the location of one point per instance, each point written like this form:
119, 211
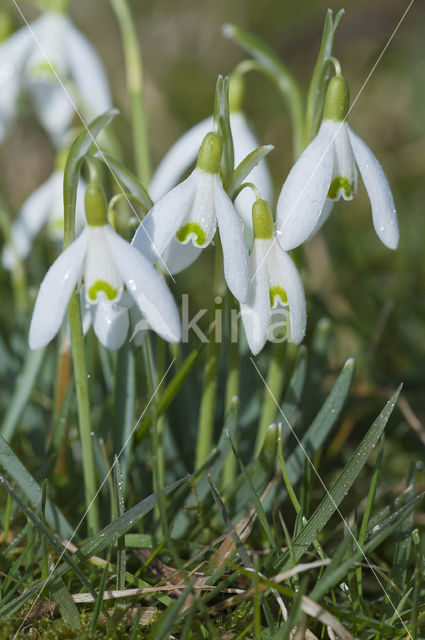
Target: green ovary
101, 285
340, 183
192, 228
277, 291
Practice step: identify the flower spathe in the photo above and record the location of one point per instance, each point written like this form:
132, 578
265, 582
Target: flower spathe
44, 207
276, 290
184, 222
109, 267
327, 171
32, 59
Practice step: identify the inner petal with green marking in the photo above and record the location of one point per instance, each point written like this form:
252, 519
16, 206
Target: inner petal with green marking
277, 296
341, 186
192, 231
42, 71
101, 286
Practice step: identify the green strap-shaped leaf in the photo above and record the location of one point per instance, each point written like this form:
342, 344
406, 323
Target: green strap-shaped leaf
316, 93
222, 121
334, 496
14, 468
62, 597
321, 426
22, 392
79, 149
246, 166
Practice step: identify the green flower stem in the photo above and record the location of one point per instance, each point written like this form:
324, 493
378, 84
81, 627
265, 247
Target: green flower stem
134, 72
79, 360
232, 390
209, 392
80, 375
275, 379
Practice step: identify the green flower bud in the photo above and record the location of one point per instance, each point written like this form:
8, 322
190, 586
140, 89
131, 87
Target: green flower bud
262, 220
95, 203
337, 99
209, 156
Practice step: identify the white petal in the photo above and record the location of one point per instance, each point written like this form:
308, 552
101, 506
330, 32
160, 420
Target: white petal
160, 225
147, 287
53, 109
30, 219
55, 292
235, 252
326, 212
304, 192
256, 313
87, 72
111, 324
381, 199
179, 256
178, 159
245, 141
290, 281
36, 209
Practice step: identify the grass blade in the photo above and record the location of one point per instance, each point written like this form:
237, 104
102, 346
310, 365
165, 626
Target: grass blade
341, 487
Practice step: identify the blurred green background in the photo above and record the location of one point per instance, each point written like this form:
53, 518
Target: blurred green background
374, 297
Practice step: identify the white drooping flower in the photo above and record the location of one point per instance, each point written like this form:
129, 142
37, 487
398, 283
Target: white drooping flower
44, 207
327, 171
276, 307
183, 154
184, 221
109, 267
38, 60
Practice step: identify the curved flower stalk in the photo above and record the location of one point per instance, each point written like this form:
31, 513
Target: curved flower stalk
327, 171
44, 207
109, 268
32, 60
184, 222
276, 307
183, 153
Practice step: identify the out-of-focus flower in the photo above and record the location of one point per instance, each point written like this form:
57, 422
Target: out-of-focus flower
327, 170
184, 221
276, 306
44, 207
108, 266
58, 68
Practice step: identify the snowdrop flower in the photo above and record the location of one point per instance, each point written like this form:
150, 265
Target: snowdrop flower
276, 289
184, 222
32, 60
109, 267
326, 171
183, 153
43, 207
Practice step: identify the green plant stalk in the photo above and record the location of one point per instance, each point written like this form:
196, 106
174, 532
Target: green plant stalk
272, 393
209, 392
134, 73
232, 390
80, 376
